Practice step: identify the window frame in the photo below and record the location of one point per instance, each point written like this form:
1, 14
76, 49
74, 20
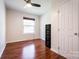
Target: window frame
27, 18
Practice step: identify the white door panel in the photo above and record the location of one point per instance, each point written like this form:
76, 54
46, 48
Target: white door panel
75, 25
68, 25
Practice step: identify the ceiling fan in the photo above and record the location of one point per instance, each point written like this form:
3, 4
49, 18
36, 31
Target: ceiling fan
30, 4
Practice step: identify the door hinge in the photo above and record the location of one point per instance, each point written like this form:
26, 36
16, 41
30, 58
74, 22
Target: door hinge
58, 48
78, 34
58, 29
58, 11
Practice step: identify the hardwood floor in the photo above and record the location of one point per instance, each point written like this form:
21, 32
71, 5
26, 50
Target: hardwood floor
34, 49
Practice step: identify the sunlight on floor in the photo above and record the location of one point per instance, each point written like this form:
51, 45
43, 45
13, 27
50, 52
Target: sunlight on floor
29, 50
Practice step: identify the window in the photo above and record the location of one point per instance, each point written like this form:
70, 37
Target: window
29, 26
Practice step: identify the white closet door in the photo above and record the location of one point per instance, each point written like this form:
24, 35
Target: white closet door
76, 29
68, 34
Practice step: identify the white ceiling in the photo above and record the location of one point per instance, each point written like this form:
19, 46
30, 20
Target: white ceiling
19, 5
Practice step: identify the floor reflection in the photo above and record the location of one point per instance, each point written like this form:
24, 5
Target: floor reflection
29, 52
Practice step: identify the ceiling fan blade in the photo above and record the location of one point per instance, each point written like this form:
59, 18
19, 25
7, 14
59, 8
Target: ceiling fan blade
27, 1
36, 5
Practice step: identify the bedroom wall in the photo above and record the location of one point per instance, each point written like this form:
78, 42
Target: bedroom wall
45, 19
15, 26
53, 17
2, 27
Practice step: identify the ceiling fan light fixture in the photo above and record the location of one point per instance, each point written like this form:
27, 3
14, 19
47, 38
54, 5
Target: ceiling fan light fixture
28, 5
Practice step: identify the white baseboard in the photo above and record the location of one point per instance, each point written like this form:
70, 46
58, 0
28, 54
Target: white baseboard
21, 40
70, 55
54, 50
2, 51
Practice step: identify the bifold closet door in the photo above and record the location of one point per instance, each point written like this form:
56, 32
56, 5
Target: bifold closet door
75, 29
68, 33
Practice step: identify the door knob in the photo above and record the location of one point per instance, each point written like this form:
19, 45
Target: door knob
75, 34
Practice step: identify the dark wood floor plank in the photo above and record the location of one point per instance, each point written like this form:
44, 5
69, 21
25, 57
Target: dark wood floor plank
33, 49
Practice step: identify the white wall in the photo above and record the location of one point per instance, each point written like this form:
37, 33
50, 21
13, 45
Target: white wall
2, 26
50, 17
54, 18
15, 26
45, 19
